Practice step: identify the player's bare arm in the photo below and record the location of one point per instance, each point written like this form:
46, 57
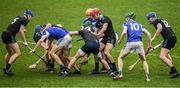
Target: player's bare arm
122, 35
148, 37
22, 34
38, 43
158, 31
73, 33
104, 28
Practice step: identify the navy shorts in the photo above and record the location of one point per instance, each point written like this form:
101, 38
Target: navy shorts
109, 40
91, 47
8, 38
169, 43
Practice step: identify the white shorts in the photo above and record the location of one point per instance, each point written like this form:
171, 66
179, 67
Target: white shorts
65, 42
134, 47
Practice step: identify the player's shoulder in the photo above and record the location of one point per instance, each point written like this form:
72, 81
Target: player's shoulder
20, 17
158, 20
103, 17
86, 19
127, 22
23, 19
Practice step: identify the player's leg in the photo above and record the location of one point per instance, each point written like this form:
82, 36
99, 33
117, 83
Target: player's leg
95, 50
53, 54
66, 53
96, 69
7, 58
163, 55
145, 66
140, 50
9, 54
103, 61
16, 54
107, 51
49, 67
78, 54
84, 61
169, 57
13, 57
103, 69
122, 55
61, 56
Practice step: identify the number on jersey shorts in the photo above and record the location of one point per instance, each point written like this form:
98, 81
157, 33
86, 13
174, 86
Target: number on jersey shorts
65, 42
136, 47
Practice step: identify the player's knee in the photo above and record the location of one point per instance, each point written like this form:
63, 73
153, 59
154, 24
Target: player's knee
161, 56
51, 53
121, 57
77, 56
106, 53
18, 54
66, 56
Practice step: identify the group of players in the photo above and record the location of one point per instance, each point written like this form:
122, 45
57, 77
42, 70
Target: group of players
99, 36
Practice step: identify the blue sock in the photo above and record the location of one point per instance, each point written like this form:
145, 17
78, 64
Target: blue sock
62, 67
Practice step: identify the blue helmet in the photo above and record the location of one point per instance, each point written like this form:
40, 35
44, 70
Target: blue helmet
28, 12
151, 14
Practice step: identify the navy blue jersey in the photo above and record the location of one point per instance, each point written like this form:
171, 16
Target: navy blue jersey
14, 27
87, 36
134, 31
109, 33
167, 31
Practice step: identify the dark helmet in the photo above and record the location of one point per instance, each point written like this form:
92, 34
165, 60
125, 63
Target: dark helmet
131, 15
150, 15
28, 12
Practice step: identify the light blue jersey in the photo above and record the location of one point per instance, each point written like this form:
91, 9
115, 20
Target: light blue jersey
134, 30
55, 32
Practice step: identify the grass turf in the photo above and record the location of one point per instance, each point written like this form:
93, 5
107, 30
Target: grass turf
70, 14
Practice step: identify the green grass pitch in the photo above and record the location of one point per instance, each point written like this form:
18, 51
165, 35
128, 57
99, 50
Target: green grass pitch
70, 14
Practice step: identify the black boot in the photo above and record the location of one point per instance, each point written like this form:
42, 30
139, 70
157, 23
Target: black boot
174, 73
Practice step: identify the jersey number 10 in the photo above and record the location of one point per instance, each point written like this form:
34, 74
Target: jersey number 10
135, 26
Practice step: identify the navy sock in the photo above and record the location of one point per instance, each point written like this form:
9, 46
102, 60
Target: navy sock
114, 66
8, 66
97, 66
62, 67
173, 69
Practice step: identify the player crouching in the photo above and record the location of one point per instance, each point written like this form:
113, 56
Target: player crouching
63, 41
91, 46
